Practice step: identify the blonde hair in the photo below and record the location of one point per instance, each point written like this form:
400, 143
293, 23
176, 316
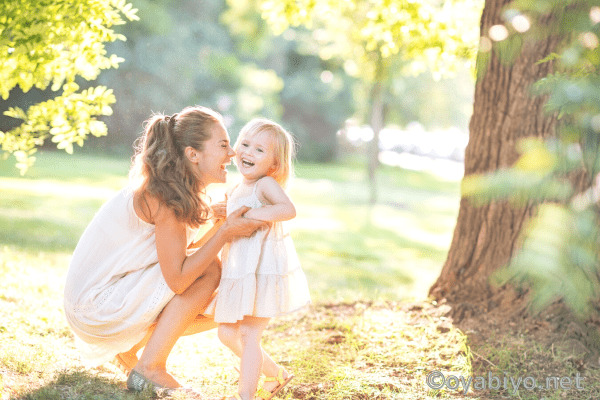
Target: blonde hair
161, 169
284, 146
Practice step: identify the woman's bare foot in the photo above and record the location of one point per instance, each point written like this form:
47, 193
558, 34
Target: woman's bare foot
126, 361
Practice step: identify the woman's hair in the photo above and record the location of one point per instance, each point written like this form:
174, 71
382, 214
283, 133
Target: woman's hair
161, 169
283, 142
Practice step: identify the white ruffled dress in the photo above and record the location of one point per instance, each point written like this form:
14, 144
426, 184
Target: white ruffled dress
261, 276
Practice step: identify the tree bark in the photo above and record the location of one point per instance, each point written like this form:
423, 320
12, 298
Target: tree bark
504, 112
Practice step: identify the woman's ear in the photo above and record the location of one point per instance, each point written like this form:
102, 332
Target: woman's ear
192, 154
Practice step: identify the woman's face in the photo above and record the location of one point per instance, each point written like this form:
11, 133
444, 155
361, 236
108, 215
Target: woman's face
215, 156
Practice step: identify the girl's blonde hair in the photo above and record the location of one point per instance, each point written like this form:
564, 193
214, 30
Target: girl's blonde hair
161, 169
284, 146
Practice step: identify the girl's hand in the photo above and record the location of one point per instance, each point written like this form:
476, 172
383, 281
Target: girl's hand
236, 225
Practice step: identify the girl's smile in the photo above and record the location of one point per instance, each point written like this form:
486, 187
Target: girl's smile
255, 156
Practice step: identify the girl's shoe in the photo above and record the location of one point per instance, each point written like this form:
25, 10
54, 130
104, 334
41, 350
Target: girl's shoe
263, 394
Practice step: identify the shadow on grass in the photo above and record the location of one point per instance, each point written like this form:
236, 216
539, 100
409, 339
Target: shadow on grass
44, 223
531, 360
38, 234
83, 385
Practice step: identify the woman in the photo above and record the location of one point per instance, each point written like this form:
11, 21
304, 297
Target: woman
134, 281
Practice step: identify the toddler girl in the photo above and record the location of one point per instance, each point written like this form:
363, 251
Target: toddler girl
261, 276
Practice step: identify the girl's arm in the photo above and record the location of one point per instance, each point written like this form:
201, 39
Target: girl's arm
279, 207
180, 270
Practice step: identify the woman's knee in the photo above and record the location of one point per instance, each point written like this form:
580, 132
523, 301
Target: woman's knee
212, 275
209, 280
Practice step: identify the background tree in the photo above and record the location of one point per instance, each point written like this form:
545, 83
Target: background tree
379, 40
51, 44
549, 175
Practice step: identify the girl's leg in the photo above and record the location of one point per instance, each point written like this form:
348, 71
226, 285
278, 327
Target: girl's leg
251, 360
243, 338
173, 322
230, 336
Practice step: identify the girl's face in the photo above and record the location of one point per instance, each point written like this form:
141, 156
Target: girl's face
255, 156
215, 156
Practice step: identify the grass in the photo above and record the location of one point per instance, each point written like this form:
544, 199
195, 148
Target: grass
370, 334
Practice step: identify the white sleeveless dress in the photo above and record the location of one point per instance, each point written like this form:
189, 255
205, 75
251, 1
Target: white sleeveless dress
115, 289
261, 276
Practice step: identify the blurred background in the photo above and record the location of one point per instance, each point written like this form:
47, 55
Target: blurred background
360, 235
222, 54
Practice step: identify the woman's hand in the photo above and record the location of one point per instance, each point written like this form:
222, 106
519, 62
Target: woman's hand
236, 225
219, 210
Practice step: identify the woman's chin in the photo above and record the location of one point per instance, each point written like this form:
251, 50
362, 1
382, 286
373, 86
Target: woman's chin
223, 177
220, 177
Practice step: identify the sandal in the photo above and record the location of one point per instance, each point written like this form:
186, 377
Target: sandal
138, 382
263, 394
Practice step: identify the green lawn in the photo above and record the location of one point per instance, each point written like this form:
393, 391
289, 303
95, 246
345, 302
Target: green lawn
350, 251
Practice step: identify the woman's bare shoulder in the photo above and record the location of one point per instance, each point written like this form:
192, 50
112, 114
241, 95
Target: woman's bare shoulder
151, 209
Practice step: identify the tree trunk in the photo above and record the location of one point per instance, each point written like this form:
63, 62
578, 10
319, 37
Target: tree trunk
504, 112
377, 120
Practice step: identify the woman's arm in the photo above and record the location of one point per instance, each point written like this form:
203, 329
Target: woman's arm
210, 233
279, 207
180, 270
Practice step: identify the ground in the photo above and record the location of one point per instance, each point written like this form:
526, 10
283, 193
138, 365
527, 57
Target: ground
367, 335
362, 350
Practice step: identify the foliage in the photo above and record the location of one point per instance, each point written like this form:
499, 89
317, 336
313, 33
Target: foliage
378, 41
366, 34
45, 43
559, 257
311, 107
221, 54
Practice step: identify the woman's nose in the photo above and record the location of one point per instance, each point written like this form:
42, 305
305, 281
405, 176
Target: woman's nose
231, 152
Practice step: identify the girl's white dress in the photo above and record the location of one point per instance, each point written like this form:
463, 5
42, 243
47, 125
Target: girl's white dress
115, 289
261, 276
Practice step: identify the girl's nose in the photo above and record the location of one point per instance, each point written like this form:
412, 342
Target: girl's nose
231, 152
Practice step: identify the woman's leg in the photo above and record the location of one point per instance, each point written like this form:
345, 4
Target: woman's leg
173, 322
129, 359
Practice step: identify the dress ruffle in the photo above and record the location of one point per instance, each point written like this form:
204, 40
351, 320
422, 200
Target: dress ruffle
265, 296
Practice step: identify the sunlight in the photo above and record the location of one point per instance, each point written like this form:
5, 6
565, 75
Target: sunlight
413, 227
